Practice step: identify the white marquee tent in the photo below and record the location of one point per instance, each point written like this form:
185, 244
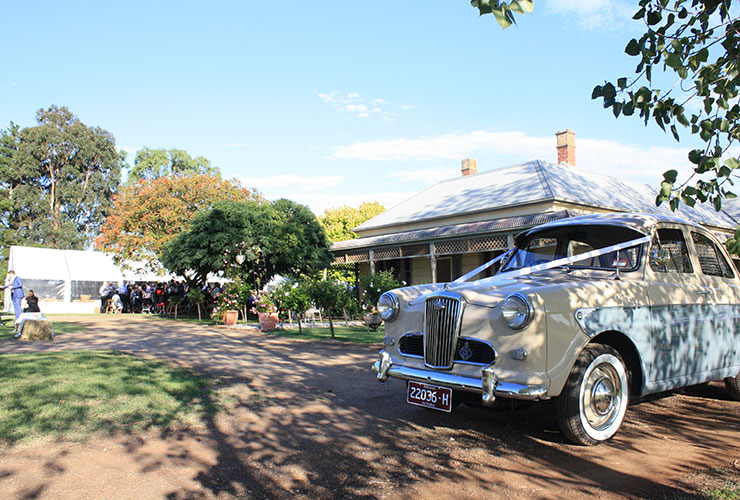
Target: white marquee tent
67, 281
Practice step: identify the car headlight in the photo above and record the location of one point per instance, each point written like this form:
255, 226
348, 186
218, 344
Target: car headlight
517, 311
388, 306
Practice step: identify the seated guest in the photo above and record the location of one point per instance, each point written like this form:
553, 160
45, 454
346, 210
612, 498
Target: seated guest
32, 302
117, 304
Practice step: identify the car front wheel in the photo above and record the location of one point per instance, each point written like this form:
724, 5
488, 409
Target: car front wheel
593, 403
733, 386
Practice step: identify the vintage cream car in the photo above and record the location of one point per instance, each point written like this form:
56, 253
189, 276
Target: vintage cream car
588, 311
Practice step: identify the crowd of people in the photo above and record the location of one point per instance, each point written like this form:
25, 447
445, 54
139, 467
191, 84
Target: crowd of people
154, 298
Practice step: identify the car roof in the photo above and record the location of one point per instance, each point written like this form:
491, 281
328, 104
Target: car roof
642, 223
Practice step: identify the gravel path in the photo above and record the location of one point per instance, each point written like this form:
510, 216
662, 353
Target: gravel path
311, 422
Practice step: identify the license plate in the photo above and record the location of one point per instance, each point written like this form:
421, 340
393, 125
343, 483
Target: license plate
429, 396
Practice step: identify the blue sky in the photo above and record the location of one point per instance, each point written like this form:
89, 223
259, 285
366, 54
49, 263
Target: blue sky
334, 103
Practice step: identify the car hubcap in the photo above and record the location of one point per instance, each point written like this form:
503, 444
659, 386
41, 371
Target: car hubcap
602, 397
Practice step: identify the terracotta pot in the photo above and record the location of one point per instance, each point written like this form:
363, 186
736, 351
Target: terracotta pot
268, 321
230, 317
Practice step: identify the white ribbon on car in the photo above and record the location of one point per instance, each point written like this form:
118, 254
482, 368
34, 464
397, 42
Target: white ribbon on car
565, 261
466, 277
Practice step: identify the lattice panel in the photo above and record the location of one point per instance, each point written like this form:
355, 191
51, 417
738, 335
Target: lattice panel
450, 247
387, 253
415, 251
357, 257
488, 243
343, 266
543, 242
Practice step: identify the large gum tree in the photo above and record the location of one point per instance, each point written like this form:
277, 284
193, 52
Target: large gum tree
57, 180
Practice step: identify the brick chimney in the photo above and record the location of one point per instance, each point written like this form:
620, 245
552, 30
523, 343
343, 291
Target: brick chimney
469, 166
566, 147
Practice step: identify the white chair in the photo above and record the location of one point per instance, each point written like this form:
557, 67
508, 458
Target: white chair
311, 315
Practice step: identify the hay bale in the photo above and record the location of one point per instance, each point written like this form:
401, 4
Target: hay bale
36, 329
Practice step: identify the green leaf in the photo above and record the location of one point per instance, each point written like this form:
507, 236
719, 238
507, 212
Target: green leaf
724, 171
653, 17
717, 201
674, 132
632, 48
622, 83
674, 61
596, 93
674, 203
670, 177
732, 163
665, 189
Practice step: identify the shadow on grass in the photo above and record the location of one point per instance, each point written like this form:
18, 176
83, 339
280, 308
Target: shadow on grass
60, 328
76, 394
354, 334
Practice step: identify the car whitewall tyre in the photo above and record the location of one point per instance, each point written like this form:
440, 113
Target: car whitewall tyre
593, 403
733, 386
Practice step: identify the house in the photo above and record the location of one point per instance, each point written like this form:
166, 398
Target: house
456, 225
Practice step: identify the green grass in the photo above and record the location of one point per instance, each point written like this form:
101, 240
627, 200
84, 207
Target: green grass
60, 328
355, 334
194, 319
73, 395
718, 483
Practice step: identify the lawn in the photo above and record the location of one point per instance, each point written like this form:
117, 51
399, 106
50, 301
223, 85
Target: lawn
60, 328
355, 334
73, 395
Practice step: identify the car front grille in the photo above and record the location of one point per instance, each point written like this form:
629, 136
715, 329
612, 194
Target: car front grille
467, 350
442, 318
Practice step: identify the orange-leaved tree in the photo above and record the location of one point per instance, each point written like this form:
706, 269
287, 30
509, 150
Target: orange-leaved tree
149, 213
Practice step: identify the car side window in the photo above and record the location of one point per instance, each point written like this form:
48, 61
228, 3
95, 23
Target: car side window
711, 260
673, 241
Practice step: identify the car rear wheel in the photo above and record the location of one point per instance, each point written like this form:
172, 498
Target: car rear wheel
593, 403
733, 386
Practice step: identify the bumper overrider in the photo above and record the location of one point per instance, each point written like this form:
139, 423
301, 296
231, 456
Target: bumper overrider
488, 385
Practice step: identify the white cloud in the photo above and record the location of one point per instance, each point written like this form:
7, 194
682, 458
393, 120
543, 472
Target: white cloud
319, 202
629, 161
453, 146
293, 182
353, 103
594, 14
426, 175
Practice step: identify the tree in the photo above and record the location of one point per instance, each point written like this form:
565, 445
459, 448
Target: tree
330, 296
503, 11
339, 222
150, 213
695, 46
293, 296
697, 42
374, 285
58, 180
289, 238
151, 164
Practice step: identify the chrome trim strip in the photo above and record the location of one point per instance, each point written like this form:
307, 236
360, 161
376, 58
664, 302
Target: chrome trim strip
489, 386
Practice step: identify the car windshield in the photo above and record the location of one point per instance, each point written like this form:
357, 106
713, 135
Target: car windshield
569, 241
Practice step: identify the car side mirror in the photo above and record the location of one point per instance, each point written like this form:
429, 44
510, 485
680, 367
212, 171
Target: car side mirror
659, 257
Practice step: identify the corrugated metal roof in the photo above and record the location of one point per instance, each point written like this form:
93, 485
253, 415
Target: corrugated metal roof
532, 182
451, 231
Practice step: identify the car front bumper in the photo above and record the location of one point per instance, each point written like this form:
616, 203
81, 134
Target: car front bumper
488, 385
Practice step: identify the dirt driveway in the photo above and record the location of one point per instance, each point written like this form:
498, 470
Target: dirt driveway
318, 425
